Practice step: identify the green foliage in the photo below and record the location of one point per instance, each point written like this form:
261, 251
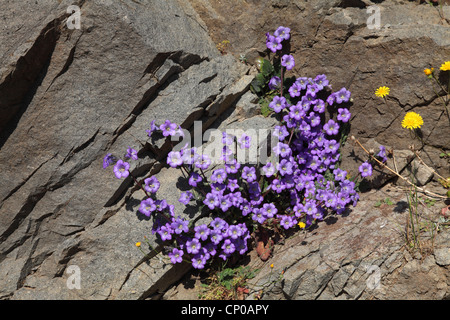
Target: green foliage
385, 201
225, 283
259, 85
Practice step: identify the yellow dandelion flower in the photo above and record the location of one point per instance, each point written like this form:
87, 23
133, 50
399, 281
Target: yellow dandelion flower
428, 72
445, 66
412, 121
271, 265
382, 92
301, 225
138, 244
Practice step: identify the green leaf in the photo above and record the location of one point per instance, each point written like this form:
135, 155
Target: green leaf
265, 110
266, 68
377, 204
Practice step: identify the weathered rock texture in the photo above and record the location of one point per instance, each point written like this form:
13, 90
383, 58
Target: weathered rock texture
360, 255
67, 97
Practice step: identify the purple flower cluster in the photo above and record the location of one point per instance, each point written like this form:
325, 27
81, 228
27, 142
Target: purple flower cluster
274, 42
304, 185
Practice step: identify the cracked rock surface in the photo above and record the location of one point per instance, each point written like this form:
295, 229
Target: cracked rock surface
68, 97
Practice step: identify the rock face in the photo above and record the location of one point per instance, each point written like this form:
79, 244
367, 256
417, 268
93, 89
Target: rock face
88, 92
360, 255
69, 96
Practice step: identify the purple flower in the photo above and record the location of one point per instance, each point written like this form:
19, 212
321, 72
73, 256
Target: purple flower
152, 128
225, 203
201, 232
249, 174
347, 186
312, 90
245, 207
161, 204
198, 261
189, 156
108, 160
174, 159
151, 184
195, 179
321, 81
258, 216
302, 82
331, 146
339, 174
232, 166
382, 154
305, 127
218, 188
244, 141
273, 43
306, 101
227, 139
211, 201
203, 162
295, 90
131, 153
319, 106
287, 222
314, 162
330, 199
285, 167
165, 233
288, 61
232, 184
219, 176
282, 149
228, 247
331, 98
234, 232
176, 255
268, 170
147, 207
281, 132
342, 95
241, 245
216, 236
331, 128
168, 128
185, 197
314, 119
310, 208
365, 169
277, 186
180, 225
282, 33
278, 104
343, 115
274, 83
121, 169
218, 224
193, 246
269, 210
296, 112
318, 215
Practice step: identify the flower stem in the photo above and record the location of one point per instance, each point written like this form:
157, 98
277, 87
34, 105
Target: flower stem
397, 174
